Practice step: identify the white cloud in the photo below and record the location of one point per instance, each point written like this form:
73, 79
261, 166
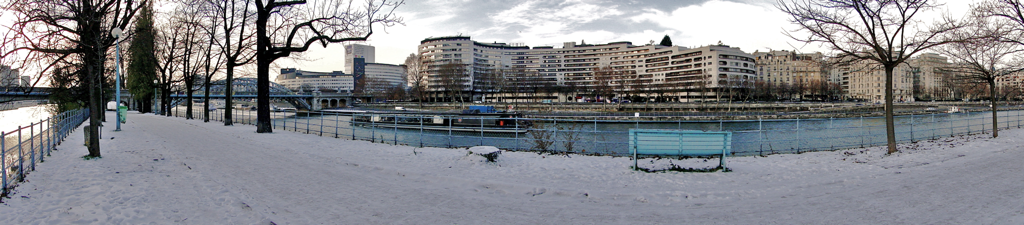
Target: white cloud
748, 26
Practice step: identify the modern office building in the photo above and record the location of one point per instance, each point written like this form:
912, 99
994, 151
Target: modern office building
300, 80
359, 66
353, 51
514, 72
392, 74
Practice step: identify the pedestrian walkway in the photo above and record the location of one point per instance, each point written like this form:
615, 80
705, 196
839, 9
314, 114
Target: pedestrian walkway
170, 170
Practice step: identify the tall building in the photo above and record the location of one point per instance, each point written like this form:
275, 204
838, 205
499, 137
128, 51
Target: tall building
354, 51
930, 73
9, 77
617, 69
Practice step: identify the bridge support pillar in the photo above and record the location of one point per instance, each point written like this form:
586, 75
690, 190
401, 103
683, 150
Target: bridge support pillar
316, 104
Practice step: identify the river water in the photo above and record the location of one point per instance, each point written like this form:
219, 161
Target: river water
11, 119
749, 137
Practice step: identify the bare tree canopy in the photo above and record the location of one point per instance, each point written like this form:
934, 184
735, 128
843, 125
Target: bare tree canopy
989, 54
72, 35
286, 27
883, 31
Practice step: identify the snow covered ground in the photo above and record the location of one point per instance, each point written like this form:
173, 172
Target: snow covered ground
169, 170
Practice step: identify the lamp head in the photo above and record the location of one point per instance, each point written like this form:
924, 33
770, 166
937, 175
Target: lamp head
116, 32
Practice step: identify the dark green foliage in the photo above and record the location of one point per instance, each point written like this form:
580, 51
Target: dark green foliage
68, 93
141, 57
666, 41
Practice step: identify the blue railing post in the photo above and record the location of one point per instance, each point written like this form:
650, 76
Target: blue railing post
481, 130
760, 143
3, 160
396, 128
321, 123
516, 120
798, 144
421, 130
450, 119
862, 131
21, 158
968, 123
32, 144
336, 118
911, 127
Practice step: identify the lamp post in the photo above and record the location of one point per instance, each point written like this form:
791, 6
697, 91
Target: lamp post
117, 80
156, 88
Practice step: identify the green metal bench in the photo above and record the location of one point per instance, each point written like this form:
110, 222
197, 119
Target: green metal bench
679, 143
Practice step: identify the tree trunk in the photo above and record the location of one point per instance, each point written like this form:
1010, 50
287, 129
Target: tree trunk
263, 60
188, 99
206, 99
995, 116
94, 104
890, 129
228, 83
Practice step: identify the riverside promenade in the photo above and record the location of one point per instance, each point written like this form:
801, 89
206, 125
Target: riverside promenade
169, 170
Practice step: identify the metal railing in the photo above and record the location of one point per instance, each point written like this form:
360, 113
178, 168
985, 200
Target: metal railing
604, 136
22, 148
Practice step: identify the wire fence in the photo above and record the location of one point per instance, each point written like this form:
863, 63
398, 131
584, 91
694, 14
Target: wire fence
604, 136
23, 147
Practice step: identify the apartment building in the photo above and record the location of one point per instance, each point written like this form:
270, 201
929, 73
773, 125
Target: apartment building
867, 82
579, 71
930, 71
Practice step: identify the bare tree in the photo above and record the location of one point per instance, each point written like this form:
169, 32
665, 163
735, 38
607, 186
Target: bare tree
293, 30
986, 59
168, 54
417, 80
452, 77
882, 31
236, 41
196, 48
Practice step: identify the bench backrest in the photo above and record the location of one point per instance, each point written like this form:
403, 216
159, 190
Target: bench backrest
680, 143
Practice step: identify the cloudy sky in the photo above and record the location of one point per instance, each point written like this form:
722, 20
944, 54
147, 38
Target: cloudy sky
748, 24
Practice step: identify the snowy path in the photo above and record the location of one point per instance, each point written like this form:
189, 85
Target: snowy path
169, 170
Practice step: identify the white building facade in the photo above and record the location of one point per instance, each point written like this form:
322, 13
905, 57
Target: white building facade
666, 73
299, 80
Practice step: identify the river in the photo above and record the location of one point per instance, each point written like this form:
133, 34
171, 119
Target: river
11, 119
749, 137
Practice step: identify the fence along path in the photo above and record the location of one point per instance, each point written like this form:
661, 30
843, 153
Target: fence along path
22, 148
603, 136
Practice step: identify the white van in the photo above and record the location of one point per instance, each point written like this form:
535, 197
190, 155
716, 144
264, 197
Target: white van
112, 106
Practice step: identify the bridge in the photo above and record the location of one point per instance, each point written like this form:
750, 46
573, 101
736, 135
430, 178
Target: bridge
244, 89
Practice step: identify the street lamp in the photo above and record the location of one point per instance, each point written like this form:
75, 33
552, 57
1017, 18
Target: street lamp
117, 80
156, 88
